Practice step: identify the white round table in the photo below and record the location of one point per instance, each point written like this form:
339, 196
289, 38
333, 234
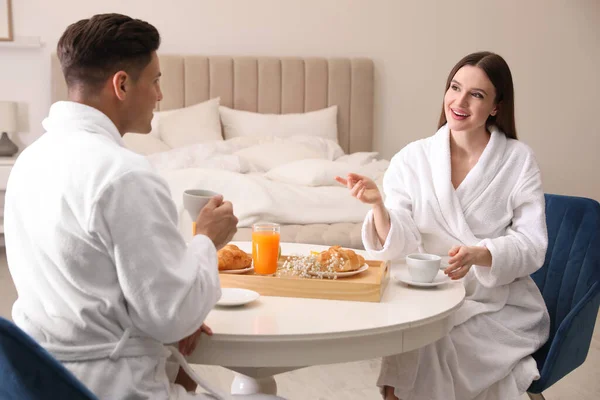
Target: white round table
279, 334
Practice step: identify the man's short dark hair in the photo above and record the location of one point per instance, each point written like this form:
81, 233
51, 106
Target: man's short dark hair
91, 50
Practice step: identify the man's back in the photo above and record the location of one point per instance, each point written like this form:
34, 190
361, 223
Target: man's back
92, 245
51, 200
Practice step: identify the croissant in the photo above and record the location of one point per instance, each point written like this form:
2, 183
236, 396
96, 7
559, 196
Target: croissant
340, 260
232, 257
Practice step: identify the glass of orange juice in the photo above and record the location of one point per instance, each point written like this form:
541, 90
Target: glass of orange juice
265, 248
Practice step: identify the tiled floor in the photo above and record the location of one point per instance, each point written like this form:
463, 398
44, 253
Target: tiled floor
355, 381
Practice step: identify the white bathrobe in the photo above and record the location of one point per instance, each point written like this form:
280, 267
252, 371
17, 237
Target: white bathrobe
499, 205
102, 273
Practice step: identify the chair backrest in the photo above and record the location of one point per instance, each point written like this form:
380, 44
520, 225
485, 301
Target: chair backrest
572, 266
29, 372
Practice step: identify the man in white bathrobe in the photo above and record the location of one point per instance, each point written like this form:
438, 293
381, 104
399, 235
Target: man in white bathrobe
103, 276
474, 193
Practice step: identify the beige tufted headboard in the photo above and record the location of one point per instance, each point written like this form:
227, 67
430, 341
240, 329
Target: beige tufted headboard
269, 85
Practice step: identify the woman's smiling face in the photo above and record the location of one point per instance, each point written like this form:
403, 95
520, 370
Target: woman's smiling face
470, 100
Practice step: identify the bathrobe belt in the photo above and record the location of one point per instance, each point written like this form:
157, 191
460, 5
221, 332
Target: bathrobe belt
128, 347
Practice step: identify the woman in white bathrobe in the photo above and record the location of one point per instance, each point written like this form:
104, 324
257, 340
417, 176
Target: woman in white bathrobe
474, 193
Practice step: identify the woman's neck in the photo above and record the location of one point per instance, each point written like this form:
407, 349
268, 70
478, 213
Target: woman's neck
469, 143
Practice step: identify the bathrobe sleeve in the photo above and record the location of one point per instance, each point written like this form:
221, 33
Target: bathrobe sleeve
404, 237
169, 288
522, 250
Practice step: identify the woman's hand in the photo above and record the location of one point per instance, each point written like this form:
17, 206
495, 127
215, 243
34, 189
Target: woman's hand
188, 344
462, 258
365, 190
361, 187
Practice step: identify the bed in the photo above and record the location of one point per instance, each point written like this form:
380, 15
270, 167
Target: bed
289, 94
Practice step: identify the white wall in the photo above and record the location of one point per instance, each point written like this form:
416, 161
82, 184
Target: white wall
552, 47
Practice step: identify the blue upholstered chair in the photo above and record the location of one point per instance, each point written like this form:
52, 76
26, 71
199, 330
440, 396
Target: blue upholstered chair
28, 372
570, 284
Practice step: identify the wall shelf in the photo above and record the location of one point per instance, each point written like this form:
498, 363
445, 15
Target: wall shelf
22, 42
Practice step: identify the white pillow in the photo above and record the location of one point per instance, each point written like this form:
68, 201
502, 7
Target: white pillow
266, 156
144, 144
322, 123
310, 172
359, 158
199, 123
328, 148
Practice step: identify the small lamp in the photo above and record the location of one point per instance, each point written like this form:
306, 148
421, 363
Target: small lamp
8, 124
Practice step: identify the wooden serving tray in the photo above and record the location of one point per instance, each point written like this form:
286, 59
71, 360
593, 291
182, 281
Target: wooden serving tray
366, 286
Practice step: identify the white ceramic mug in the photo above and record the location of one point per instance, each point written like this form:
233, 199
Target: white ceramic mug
423, 267
194, 200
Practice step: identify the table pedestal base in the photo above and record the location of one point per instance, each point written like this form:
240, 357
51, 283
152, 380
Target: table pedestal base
243, 384
249, 380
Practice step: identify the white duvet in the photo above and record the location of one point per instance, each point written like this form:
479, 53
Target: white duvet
283, 180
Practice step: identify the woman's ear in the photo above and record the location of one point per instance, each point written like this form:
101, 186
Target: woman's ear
495, 110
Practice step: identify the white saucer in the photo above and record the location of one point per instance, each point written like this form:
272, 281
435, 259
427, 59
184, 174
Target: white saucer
237, 271
231, 297
404, 276
339, 274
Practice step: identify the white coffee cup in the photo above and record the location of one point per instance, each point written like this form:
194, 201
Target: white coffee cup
423, 267
195, 199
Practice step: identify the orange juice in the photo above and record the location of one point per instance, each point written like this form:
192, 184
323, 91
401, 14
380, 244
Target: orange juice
265, 250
